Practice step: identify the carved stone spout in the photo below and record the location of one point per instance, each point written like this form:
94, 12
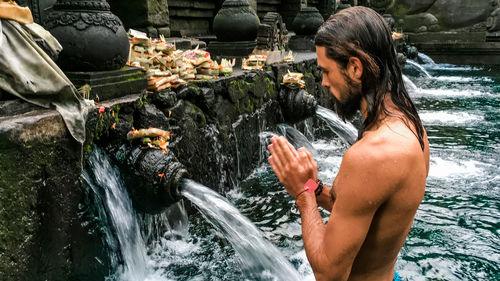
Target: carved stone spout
153, 178
297, 104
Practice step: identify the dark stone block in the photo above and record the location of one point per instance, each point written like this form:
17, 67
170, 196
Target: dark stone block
201, 97
231, 49
192, 4
302, 43
180, 43
189, 27
141, 13
462, 53
493, 36
192, 13
150, 116
280, 70
165, 99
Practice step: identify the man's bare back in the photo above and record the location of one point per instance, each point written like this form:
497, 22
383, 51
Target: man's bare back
395, 152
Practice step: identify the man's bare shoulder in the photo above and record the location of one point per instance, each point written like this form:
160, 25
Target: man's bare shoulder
392, 142
381, 160
365, 175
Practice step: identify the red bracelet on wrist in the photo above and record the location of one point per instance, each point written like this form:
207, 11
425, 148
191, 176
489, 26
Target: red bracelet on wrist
310, 186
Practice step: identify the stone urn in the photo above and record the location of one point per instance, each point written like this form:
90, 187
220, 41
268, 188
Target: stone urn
307, 21
93, 38
236, 21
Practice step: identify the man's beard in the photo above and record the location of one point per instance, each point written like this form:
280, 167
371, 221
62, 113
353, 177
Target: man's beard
351, 100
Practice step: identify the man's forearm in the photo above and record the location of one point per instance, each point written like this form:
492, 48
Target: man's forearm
313, 231
313, 235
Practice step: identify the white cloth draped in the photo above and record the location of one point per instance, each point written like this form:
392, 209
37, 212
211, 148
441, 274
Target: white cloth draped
27, 72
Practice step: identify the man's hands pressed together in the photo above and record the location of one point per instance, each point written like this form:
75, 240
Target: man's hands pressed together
292, 167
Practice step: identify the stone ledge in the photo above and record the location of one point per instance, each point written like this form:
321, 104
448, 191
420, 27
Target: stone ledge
448, 37
487, 53
34, 126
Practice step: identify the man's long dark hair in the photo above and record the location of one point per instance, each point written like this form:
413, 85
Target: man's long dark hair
361, 32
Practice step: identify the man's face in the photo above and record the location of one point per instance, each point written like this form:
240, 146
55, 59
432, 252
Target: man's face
346, 92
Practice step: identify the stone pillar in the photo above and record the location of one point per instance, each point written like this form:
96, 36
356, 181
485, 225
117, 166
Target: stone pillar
150, 16
191, 18
95, 45
289, 10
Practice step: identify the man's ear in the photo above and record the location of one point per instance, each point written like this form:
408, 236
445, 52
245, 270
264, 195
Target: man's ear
355, 69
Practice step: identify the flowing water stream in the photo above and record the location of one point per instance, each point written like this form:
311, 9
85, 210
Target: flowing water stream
346, 131
455, 235
104, 179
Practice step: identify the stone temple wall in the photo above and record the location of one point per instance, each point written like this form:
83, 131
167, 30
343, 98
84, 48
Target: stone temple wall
188, 18
151, 16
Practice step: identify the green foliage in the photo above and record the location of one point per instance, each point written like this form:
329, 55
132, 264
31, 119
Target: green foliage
142, 101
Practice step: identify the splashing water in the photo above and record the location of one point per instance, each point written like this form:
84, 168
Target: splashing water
260, 258
425, 59
346, 131
296, 138
420, 68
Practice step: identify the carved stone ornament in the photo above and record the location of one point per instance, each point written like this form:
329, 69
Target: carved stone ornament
81, 20
89, 5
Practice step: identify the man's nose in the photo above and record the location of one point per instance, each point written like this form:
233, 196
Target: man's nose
324, 81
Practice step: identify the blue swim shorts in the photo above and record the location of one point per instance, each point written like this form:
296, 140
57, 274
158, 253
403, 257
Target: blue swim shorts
397, 277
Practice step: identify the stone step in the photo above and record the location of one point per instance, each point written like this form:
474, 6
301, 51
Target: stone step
111, 84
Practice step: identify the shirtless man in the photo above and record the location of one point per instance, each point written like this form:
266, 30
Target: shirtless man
381, 180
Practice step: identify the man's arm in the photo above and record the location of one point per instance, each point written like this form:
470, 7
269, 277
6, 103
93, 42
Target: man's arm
361, 187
